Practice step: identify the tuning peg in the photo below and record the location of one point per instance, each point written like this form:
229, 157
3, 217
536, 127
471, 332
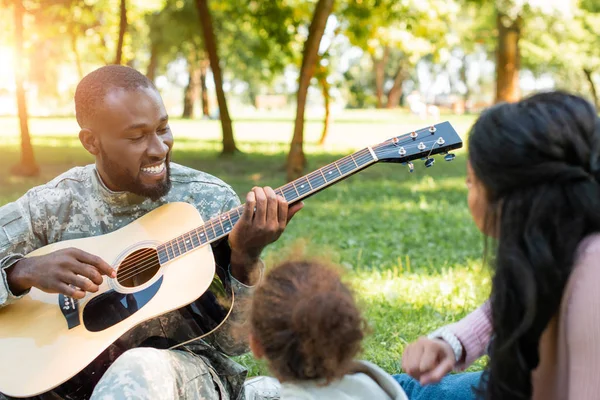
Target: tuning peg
429, 162
449, 157
411, 167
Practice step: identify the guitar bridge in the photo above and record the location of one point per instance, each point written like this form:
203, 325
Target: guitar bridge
70, 310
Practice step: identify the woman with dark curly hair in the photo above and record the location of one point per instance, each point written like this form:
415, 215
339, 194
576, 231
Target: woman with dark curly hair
305, 323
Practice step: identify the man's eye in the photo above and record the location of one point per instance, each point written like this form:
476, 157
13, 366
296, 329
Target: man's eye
136, 139
164, 130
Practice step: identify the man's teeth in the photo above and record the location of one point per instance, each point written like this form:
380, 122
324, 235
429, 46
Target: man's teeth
154, 170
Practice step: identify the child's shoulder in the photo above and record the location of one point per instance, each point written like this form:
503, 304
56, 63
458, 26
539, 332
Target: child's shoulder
366, 381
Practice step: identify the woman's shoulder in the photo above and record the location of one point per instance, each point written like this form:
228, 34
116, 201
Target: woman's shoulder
587, 260
582, 289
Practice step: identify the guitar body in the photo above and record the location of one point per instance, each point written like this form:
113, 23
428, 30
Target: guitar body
40, 350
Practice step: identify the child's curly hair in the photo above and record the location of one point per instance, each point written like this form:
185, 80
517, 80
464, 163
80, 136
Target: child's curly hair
306, 321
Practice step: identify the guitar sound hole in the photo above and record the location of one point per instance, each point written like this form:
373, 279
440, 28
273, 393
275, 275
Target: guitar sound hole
138, 268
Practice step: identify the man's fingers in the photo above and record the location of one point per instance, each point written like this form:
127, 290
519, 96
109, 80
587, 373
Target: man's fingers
97, 262
260, 215
249, 207
70, 291
438, 372
282, 212
272, 204
294, 209
89, 272
82, 283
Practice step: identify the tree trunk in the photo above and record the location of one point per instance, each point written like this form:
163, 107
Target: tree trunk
210, 43
326, 98
204, 89
28, 166
396, 90
122, 30
379, 66
508, 58
588, 75
191, 90
76, 54
153, 63
296, 160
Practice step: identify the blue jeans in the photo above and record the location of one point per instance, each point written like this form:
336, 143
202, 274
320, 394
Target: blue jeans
451, 387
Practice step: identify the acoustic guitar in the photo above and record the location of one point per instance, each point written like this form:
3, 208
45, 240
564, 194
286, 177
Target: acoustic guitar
164, 263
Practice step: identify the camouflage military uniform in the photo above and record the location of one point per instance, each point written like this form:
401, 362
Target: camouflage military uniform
77, 204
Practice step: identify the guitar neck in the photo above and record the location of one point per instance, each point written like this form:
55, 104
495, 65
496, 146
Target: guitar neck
293, 192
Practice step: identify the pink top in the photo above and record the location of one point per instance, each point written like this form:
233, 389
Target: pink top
569, 348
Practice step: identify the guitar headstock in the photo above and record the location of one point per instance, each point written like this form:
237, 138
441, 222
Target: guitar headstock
422, 143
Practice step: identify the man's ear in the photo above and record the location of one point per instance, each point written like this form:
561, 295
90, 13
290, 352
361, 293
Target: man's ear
89, 141
256, 347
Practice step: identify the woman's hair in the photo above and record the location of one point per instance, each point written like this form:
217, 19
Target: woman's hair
539, 161
306, 321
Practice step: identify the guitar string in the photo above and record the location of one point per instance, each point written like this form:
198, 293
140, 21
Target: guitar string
143, 255
212, 222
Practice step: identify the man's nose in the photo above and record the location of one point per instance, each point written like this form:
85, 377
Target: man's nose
158, 147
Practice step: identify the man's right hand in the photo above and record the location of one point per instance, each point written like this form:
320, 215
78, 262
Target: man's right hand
71, 272
428, 360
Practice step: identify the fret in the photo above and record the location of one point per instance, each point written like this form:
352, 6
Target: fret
238, 213
352, 158
338, 168
162, 254
196, 239
203, 234
345, 166
330, 173
294, 186
187, 242
214, 233
217, 228
170, 251
290, 193
176, 249
221, 224
181, 245
302, 186
316, 179
364, 157
226, 222
363, 160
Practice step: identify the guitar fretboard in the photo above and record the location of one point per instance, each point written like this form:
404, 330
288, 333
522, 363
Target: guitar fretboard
220, 226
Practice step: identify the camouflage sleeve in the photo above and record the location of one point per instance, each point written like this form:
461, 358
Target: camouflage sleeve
21, 231
226, 339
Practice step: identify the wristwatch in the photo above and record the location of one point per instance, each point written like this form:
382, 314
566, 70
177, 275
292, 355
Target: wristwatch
447, 336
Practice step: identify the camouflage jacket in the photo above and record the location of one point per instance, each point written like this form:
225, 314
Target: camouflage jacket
77, 204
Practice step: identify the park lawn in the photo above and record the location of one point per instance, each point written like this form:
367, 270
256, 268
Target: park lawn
406, 241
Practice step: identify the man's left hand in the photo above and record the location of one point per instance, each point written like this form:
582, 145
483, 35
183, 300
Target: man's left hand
263, 221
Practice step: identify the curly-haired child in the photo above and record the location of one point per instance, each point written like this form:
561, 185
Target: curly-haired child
305, 323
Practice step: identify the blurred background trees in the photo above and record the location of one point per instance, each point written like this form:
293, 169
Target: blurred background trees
212, 58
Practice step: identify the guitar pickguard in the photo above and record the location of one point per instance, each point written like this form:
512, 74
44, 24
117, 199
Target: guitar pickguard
112, 307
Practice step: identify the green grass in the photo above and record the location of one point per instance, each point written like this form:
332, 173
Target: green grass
407, 241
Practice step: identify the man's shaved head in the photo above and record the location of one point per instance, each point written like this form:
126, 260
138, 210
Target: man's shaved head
93, 88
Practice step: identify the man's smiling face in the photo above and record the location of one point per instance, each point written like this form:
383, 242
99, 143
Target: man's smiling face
134, 141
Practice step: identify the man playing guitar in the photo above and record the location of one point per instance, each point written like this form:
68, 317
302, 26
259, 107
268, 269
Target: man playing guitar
124, 125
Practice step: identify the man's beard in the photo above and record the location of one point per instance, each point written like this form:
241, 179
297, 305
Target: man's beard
125, 182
